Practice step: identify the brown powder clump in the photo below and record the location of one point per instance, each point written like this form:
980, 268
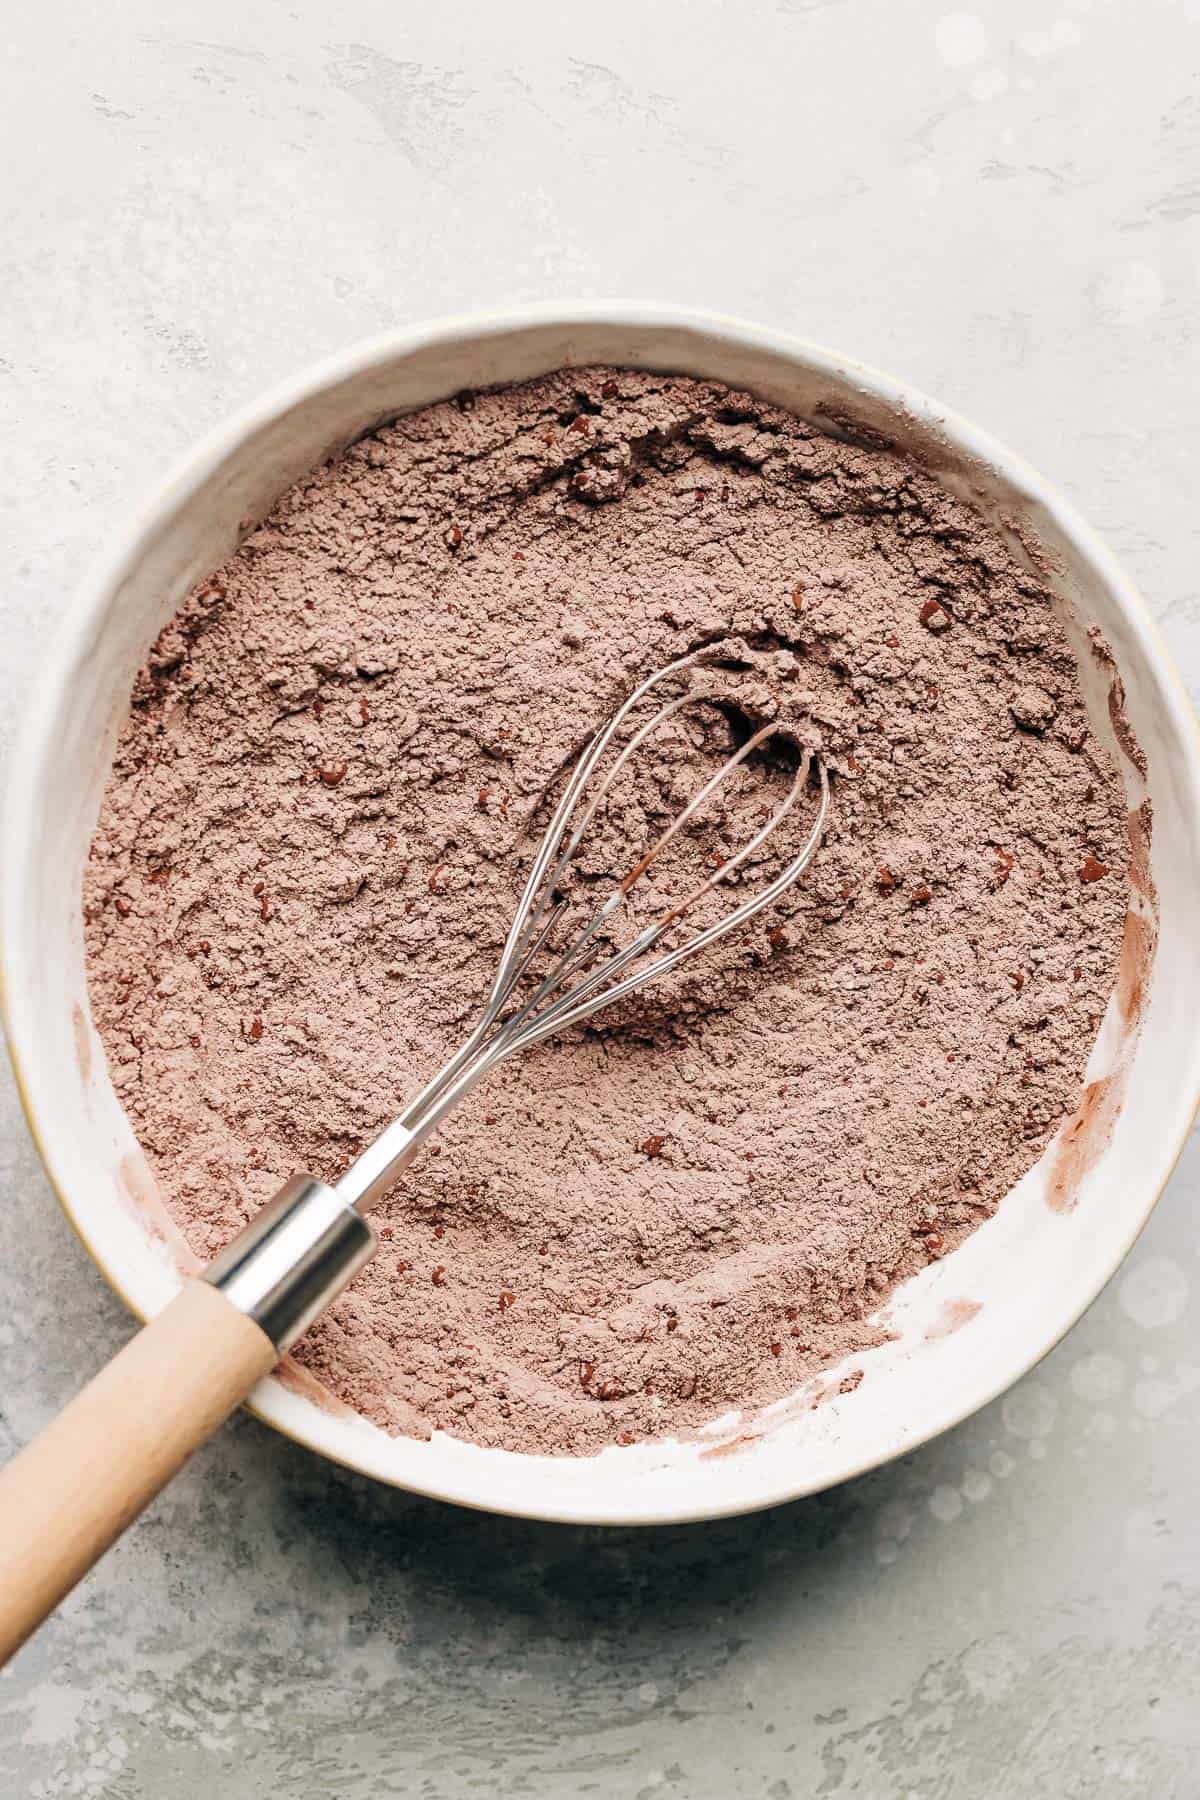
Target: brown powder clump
307, 857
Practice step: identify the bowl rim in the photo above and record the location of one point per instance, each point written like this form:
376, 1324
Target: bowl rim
128, 541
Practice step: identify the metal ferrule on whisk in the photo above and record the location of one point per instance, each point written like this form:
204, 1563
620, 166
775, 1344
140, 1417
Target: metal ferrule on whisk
293, 1258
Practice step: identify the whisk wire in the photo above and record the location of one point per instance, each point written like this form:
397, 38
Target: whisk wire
695, 803
528, 914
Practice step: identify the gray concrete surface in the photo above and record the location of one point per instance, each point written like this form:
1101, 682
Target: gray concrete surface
1002, 204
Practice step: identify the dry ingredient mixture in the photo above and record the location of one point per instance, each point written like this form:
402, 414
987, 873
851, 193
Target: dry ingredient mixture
308, 853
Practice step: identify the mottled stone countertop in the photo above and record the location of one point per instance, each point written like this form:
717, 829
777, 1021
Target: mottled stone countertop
1001, 204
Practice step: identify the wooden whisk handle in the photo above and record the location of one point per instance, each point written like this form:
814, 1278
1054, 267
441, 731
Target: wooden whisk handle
74, 1489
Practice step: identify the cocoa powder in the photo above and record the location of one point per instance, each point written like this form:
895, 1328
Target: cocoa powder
310, 846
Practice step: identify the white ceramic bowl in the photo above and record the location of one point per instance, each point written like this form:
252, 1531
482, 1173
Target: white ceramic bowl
1029, 1272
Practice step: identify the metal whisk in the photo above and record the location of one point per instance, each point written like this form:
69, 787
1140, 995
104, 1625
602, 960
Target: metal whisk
583, 975
294, 1257
65, 1497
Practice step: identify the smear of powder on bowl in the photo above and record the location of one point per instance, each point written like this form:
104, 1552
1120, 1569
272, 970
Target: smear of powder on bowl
304, 869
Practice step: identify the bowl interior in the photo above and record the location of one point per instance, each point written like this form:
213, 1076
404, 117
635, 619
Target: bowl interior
966, 1327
